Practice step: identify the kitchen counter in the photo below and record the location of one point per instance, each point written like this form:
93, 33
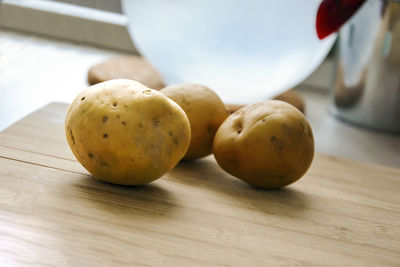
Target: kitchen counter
35, 71
52, 212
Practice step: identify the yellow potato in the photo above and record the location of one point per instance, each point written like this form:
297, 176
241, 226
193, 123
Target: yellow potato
268, 144
205, 111
125, 133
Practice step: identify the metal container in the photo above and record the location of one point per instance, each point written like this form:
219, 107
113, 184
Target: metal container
367, 85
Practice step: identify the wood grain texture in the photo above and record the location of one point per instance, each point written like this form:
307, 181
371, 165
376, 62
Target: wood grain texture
52, 212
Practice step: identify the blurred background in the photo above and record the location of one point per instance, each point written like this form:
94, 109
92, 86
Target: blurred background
48, 47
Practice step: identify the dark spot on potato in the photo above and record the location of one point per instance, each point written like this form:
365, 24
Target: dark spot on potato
118, 117
278, 143
131, 160
301, 125
170, 133
151, 146
210, 129
238, 125
72, 136
105, 118
263, 120
115, 104
176, 141
125, 106
105, 135
300, 133
184, 101
123, 123
90, 155
140, 125
285, 128
156, 122
104, 164
83, 98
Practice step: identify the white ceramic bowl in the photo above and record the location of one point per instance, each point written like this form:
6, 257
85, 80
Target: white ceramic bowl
246, 50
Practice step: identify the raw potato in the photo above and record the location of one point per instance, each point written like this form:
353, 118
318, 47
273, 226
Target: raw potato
268, 144
126, 67
125, 133
205, 111
291, 97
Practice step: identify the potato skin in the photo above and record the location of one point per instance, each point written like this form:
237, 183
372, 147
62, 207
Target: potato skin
125, 133
268, 144
205, 111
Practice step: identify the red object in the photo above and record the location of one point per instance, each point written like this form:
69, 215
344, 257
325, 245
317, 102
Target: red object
332, 14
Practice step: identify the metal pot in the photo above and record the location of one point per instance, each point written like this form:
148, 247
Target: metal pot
367, 85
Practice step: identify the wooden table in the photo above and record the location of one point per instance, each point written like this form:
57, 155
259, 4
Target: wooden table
52, 212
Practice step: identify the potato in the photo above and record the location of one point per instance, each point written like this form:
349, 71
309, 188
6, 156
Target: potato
125, 133
205, 111
268, 144
290, 96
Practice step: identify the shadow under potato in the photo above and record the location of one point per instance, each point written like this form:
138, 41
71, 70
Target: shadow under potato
207, 175
154, 201
150, 200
